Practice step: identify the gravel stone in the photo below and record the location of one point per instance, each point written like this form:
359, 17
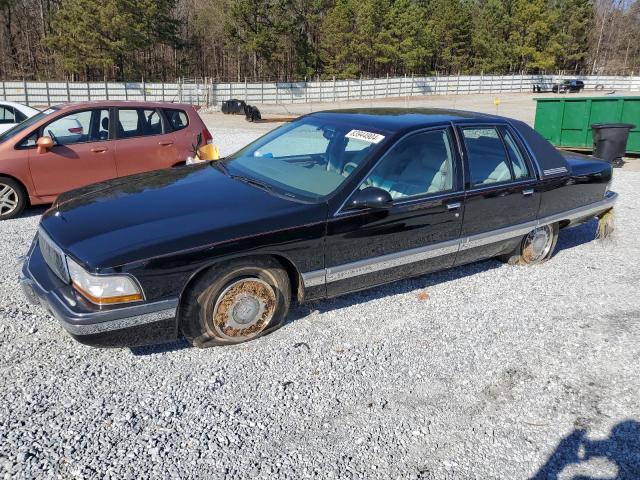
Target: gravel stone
500, 372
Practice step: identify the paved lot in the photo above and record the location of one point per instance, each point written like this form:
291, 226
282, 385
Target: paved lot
485, 371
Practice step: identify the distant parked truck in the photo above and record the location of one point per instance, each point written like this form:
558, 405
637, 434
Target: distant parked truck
570, 86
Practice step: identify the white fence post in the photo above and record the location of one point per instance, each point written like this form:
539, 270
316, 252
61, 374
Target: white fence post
48, 96
4, 91
106, 89
68, 92
26, 92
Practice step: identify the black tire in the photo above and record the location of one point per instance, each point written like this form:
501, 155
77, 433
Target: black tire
524, 254
13, 198
208, 310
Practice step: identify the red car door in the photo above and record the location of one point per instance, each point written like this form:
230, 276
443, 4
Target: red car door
141, 144
82, 153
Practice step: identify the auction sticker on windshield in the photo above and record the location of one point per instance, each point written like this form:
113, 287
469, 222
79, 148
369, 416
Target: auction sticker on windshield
365, 136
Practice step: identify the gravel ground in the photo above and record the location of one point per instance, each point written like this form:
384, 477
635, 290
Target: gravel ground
485, 371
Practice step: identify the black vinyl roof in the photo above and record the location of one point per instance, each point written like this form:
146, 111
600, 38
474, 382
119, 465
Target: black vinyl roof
398, 119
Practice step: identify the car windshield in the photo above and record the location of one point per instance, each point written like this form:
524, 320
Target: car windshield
21, 127
307, 159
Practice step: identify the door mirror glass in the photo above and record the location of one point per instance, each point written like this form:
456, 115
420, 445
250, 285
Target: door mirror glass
370, 197
45, 144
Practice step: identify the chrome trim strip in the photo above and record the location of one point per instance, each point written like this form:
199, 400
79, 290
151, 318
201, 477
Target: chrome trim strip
369, 265
123, 323
315, 278
554, 171
494, 236
374, 264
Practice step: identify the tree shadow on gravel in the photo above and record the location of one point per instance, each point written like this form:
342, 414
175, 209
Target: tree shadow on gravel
621, 449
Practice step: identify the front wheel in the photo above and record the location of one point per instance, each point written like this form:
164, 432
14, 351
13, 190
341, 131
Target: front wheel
13, 198
536, 247
236, 302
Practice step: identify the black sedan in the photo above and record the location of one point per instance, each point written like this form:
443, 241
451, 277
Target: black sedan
331, 203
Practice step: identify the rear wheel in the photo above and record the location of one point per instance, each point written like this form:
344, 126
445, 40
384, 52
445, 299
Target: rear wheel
236, 302
13, 198
536, 247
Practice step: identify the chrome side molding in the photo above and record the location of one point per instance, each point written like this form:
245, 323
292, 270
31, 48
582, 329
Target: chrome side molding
404, 257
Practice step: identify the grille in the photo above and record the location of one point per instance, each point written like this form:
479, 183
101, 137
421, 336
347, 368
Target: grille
53, 256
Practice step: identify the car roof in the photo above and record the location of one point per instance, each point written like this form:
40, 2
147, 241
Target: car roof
397, 119
120, 103
19, 106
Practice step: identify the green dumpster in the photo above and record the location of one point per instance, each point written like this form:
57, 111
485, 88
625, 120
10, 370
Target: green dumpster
566, 122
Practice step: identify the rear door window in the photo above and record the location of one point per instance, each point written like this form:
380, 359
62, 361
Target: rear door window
138, 122
486, 156
177, 119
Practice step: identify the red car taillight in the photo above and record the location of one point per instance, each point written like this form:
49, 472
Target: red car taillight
206, 137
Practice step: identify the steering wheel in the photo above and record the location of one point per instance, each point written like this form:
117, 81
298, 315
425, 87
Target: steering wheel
349, 167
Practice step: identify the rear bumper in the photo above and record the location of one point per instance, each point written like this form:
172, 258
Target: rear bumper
124, 326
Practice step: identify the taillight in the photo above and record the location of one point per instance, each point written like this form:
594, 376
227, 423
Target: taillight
206, 137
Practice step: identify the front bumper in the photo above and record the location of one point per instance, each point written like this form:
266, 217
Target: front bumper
118, 326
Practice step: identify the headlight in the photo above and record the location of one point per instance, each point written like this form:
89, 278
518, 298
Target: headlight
103, 289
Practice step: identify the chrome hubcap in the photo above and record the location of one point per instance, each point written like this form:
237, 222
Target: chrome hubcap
244, 309
8, 199
537, 244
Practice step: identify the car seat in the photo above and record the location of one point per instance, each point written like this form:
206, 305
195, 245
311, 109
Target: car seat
423, 164
103, 134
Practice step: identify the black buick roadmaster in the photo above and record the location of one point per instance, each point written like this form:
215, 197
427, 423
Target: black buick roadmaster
331, 203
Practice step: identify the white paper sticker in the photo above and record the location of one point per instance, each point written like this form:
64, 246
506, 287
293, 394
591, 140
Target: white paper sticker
365, 136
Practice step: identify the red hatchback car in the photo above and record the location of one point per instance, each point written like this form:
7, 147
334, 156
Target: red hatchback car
71, 145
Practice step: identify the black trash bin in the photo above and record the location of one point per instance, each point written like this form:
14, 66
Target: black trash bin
610, 141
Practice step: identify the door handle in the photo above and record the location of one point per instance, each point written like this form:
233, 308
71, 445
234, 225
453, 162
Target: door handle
165, 144
454, 206
528, 192
99, 149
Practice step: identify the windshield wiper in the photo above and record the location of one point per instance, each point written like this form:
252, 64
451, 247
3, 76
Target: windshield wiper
219, 164
254, 182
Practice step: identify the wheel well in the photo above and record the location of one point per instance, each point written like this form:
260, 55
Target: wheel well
295, 279
21, 184
179, 164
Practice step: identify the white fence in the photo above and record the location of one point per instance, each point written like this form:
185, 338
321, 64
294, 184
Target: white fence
212, 94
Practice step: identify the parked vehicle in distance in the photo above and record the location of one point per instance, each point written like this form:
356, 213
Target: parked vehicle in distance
570, 86
331, 203
12, 113
72, 145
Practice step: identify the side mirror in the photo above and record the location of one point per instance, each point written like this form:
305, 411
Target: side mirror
45, 144
370, 197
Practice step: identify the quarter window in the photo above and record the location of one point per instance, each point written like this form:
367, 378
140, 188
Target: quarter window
138, 122
520, 169
487, 157
418, 165
78, 127
7, 115
177, 119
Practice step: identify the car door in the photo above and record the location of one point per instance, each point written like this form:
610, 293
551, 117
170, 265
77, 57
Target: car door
141, 142
82, 152
417, 234
501, 202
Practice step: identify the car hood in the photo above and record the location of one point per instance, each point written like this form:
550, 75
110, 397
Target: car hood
154, 214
